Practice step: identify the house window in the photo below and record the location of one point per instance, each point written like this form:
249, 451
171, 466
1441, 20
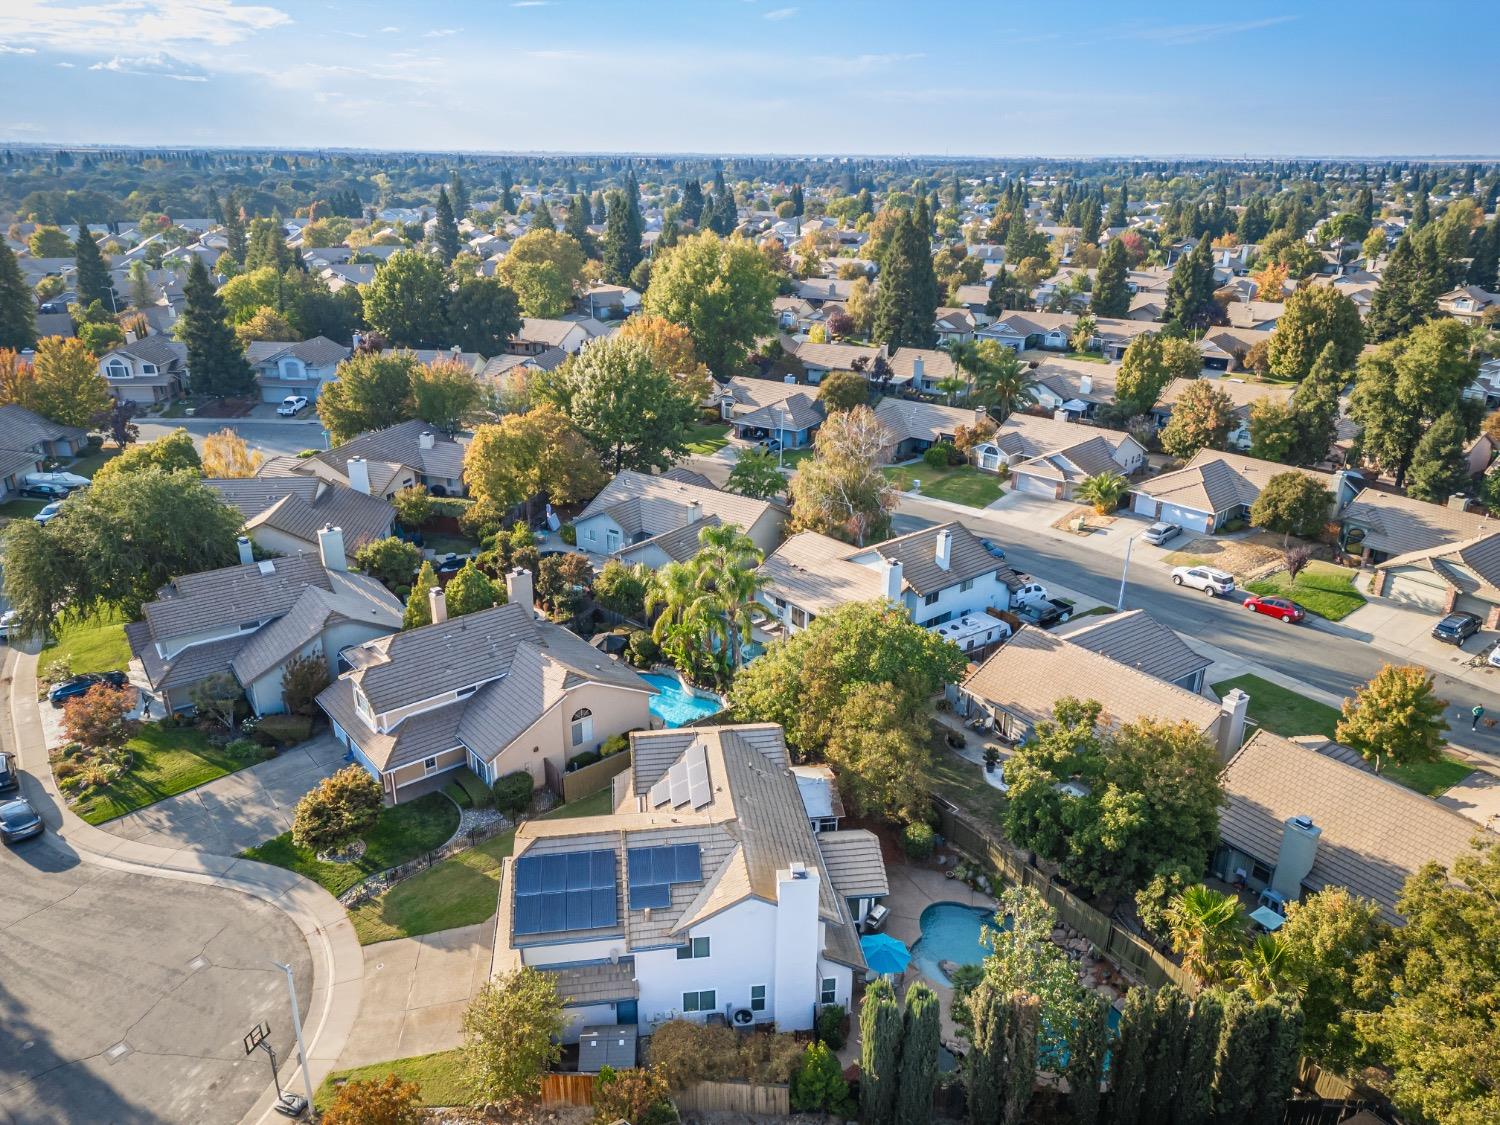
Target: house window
829, 992
429, 765
757, 998
705, 1001
117, 369
583, 726
148, 369
966, 585
799, 618
931, 599
695, 947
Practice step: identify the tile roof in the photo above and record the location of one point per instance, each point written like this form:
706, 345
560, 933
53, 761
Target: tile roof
188, 666
355, 598
21, 429
320, 351
1035, 669
1375, 831
596, 984
301, 505
1139, 640
1215, 482
398, 445
917, 554
1471, 566
835, 357
211, 599
539, 330
679, 544
1399, 525
909, 418
1033, 436
161, 350
1075, 462
655, 504
852, 857
935, 364
1241, 393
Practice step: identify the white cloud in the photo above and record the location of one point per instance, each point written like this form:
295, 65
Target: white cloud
1186, 34
390, 31
65, 65
155, 65
440, 32
138, 25
531, 3
5, 49
781, 13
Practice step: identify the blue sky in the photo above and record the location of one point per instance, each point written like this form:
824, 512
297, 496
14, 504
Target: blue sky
838, 76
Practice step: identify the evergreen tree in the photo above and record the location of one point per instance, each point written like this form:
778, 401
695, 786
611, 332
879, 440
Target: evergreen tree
577, 225
1190, 293
541, 216
215, 207
1117, 214
880, 1054
692, 201
1087, 1046
1020, 1057
1194, 1102
216, 360
1164, 1060
507, 193
1279, 1068
996, 300
1132, 1055
906, 302
92, 280
234, 228
17, 307
418, 608
458, 193
1254, 222
622, 250
984, 1065
1439, 468
1092, 223
1243, 1046
1406, 296
1316, 414
1111, 296
920, 1039
445, 230
1485, 267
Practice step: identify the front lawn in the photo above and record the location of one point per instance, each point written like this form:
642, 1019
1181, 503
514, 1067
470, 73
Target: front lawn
707, 440
440, 1075
90, 463
960, 484
1086, 357
1322, 588
402, 833
460, 891
1432, 778
165, 761
21, 509
89, 646
791, 458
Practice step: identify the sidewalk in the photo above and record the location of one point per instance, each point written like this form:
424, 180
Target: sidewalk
329, 1013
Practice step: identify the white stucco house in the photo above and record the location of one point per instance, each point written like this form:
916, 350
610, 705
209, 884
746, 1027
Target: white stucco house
634, 515
300, 368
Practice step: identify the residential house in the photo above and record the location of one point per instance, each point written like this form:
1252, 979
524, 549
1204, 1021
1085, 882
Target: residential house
428, 356
1113, 335
538, 334
954, 326
1259, 316
1225, 349
1462, 576
1214, 488
1244, 396
1022, 683
1485, 387
284, 514
763, 410
1296, 821
633, 510
976, 299
705, 895
939, 575
1050, 457
151, 369
342, 274
1468, 303
300, 368
251, 619
28, 441
1076, 387
500, 691
383, 462
821, 289
1383, 525
609, 302
819, 359
922, 368
1137, 639
914, 426
1024, 331
1147, 306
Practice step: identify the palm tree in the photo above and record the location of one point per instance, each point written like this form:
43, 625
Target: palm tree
684, 611
1104, 491
1207, 928
950, 385
729, 576
1265, 967
1003, 383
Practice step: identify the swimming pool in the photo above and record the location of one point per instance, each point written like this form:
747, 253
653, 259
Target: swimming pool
676, 705
950, 932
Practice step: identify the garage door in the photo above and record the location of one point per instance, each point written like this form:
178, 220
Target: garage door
1477, 606
1035, 486
1144, 505
272, 394
1420, 589
1184, 518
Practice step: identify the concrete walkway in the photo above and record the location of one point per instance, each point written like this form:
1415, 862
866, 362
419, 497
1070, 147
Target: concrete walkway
332, 1004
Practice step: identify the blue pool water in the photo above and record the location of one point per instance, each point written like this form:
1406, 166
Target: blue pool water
950, 932
675, 705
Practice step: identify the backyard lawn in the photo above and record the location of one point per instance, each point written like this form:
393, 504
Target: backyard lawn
960, 484
957, 779
1431, 778
1322, 588
402, 833
167, 761
89, 646
706, 440
440, 1075
459, 891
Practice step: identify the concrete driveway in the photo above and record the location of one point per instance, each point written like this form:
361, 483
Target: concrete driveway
238, 811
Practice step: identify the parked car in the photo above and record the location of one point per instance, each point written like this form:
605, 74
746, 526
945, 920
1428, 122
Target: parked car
10, 774
69, 481
292, 404
993, 548
1159, 533
7, 623
1494, 660
79, 685
1031, 592
1043, 614
450, 564
1212, 582
1456, 628
770, 445
19, 821
44, 490
49, 513
1283, 608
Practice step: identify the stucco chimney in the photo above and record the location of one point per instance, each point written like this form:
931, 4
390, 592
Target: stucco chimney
247, 553
893, 579
1294, 860
797, 943
1458, 503
1233, 709
331, 547
426, 440
694, 513
359, 474
1085, 384
437, 604
518, 588
943, 555
980, 414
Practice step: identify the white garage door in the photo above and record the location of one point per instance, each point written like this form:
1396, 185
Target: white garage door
1144, 505
1477, 606
272, 394
1035, 486
1418, 588
1185, 518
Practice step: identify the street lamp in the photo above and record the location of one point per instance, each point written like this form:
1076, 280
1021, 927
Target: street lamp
1124, 571
291, 991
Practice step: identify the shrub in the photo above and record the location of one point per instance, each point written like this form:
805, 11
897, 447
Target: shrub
56, 670
285, 730
830, 1026
1232, 525
376, 1101
643, 649
569, 535
391, 560
819, 1085
637, 1096
614, 744
917, 840
587, 758
769, 1058
97, 717
684, 1053
304, 454
341, 809
941, 455
64, 768
302, 678
244, 748
513, 793
413, 506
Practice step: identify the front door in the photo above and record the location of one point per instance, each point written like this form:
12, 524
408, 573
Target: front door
627, 1013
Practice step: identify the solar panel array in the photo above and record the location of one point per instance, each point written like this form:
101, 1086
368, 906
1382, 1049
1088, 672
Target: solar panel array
686, 782
566, 891
653, 871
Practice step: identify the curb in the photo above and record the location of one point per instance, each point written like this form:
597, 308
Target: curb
338, 962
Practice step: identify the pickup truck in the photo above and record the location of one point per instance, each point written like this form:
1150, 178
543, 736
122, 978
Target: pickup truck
1043, 614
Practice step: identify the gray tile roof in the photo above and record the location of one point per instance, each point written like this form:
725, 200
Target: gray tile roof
1032, 436
362, 518
188, 666
679, 544
355, 598
400, 445
917, 554
1471, 567
935, 364
852, 857
596, 984
1375, 832
912, 419
1216, 482
813, 572
161, 350
317, 352
21, 429
1399, 525
655, 504
797, 411
1242, 394
212, 599
1137, 639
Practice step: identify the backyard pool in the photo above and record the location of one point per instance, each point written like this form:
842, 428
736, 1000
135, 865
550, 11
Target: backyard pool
677, 705
950, 932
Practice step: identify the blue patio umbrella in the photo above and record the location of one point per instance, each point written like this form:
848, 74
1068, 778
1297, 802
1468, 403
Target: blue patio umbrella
884, 954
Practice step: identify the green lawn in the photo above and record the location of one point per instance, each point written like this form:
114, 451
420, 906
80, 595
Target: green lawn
705, 440
167, 761
20, 509
1086, 357
1431, 778
957, 779
1322, 588
402, 833
961, 484
791, 458
440, 1075
89, 646
89, 464
448, 544
459, 891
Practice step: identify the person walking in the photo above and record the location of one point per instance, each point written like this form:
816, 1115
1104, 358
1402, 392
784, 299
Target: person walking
1478, 714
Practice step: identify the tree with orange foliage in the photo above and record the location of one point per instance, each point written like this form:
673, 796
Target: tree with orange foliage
376, 1101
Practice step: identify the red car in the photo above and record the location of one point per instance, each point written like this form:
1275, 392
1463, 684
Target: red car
1284, 608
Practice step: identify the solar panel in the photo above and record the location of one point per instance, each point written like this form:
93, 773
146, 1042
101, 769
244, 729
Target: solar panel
681, 791
565, 891
699, 793
688, 868
528, 876
603, 872
604, 906
528, 914
580, 870
554, 872
580, 906
659, 793
652, 895
554, 911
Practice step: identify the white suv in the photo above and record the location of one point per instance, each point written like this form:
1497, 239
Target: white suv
1212, 582
292, 405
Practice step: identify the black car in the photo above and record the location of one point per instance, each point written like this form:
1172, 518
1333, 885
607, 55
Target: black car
44, 490
10, 777
1045, 614
1456, 628
19, 821
78, 685
993, 548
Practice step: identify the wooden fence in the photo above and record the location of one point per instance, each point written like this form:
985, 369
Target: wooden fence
592, 778
733, 1097
567, 1089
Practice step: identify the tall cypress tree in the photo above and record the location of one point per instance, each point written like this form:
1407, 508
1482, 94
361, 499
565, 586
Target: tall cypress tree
1485, 267
577, 225
1190, 293
692, 201
1132, 1056
920, 1039
445, 230
1087, 1047
216, 361
92, 280
984, 1065
234, 227
17, 307
1164, 1060
621, 251
1194, 1103
1406, 295
1020, 1057
880, 1054
458, 193
1243, 1047
906, 302
1111, 292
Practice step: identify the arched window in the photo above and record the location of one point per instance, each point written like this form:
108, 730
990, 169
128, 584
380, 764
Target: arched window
582, 726
117, 369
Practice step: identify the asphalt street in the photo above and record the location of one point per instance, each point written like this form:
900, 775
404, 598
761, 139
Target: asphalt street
272, 437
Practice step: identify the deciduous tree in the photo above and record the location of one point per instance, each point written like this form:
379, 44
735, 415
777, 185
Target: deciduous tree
720, 291
225, 454
339, 810
672, 346
98, 716
393, 561
65, 384
1395, 719
1151, 362
1201, 418
471, 590
512, 1034
483, 315
376, 1101
879, 748
302, 678
1315, 317
447, 393
407, 301
543, 268
170, 453
843, 390
524, 455
841, 491
1292, 503
756, 474
372, 392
